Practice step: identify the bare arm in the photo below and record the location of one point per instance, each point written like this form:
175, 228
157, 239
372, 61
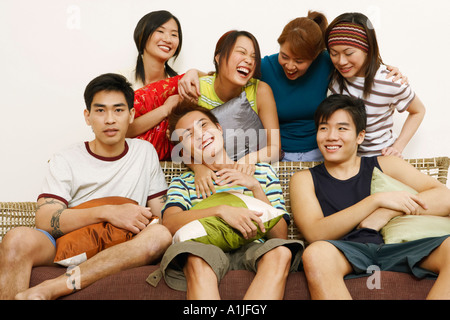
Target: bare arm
379, 218
314, 226
175, 217
238, 218
280, 230
53, 216
433, 198
156, 204
151, 119
416, 112
189, 86
308, 215
435, 195
267, 112
233, 177
204, 177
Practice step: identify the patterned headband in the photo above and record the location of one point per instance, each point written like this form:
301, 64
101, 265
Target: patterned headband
347, 33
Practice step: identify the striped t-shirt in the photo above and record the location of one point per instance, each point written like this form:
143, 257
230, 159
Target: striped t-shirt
209, 99
384, 98
182, 193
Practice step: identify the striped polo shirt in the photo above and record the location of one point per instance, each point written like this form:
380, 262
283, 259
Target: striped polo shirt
385, 97
182, 193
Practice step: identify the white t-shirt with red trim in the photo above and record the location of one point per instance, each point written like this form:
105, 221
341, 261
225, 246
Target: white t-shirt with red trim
77, 175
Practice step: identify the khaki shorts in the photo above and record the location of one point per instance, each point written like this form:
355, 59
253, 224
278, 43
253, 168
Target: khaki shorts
244, 258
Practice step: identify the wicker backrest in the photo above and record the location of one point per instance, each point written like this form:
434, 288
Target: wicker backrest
435, 167
13, 214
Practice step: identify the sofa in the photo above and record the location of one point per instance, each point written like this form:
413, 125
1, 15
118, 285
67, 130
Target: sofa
131, 284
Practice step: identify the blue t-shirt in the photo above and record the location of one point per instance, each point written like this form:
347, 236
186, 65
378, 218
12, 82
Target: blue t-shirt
297, 100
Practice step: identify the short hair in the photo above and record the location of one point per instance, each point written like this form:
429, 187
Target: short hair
109, 82
183, 108
354, 106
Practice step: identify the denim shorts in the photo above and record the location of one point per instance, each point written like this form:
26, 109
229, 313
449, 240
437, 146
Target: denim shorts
49, 236
313, 155
399, 257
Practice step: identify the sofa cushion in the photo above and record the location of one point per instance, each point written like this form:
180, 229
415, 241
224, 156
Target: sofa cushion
77, 246
243, 130
407, 227
214, 230
131, 285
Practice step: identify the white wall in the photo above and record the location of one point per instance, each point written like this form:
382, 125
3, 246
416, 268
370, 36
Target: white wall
50, 50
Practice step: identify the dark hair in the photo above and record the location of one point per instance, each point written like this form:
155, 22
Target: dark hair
354, 106
183, 108
226, 44
144, 30
109, 82
305, 35
373, 60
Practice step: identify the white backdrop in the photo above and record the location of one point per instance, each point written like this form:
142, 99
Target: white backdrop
50, 50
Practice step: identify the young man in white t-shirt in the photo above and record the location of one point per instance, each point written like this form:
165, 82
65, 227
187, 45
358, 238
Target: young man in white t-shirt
108, 166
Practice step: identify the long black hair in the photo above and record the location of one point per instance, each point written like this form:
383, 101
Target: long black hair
144, 30
373, 60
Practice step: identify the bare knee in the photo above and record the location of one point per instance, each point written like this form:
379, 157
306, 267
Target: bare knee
446, 247
155, 240
315, 253
320, 258
195, 264
444, 255
279, 258
198, 269
25, 244
164, 237
17, 243
201, 280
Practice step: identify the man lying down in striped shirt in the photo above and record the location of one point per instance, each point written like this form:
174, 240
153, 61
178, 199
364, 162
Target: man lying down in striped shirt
199, 267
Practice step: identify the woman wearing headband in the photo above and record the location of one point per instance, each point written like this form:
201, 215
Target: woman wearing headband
299, 76
360, 72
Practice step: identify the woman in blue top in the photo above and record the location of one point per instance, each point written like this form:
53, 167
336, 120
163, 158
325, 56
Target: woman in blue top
299, 76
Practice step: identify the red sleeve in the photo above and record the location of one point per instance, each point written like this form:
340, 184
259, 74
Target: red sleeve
155, 94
